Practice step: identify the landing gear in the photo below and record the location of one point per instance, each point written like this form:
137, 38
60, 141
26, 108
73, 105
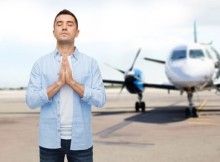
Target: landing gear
187, 113
194, 113
140, 104
191, 111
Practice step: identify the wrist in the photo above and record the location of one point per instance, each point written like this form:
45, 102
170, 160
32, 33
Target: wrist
59, 84
72, 82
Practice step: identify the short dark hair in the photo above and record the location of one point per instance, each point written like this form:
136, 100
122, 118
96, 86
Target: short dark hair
66, 12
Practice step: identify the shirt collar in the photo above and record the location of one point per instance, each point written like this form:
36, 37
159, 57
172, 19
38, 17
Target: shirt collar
74, 56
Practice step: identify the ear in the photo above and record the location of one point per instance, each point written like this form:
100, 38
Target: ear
77, 33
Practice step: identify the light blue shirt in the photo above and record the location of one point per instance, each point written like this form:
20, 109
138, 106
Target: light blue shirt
45, 72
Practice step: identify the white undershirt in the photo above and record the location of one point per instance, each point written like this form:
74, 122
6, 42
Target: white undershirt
66, 110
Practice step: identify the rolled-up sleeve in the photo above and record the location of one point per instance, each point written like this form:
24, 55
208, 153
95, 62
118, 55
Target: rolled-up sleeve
95, 95
36, 96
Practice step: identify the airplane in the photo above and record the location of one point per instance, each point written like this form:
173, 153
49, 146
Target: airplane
192, 67
134, 83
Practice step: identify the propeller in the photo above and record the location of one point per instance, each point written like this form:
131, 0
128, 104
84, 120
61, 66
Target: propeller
130, 69
138, 52
122, 87
123, 72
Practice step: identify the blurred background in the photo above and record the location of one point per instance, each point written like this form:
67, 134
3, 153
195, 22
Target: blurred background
110, 31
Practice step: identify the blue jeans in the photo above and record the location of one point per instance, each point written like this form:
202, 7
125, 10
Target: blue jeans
57, 155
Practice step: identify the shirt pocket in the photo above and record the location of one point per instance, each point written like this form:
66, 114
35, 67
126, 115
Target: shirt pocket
49, 75
83, 78
49, 78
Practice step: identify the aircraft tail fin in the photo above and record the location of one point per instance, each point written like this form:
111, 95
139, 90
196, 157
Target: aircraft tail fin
195, 32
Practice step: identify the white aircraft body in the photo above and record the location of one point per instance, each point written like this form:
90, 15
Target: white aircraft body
192, 67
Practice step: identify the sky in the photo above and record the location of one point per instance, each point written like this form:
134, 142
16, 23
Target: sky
110, 31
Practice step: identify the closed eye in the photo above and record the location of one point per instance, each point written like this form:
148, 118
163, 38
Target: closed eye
70, 23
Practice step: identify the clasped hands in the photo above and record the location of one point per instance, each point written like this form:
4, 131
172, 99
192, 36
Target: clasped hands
65, 74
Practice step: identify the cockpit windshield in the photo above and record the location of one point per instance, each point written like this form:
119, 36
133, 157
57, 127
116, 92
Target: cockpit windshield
178, 54
196, 53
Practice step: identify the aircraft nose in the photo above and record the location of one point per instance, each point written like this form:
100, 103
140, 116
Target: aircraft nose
194, 70
198, 68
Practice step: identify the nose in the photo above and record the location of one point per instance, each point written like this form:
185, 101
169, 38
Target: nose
64, 26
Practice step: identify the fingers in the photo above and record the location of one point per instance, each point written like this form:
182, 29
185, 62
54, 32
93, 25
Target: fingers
62, 72
64, 60
66, 72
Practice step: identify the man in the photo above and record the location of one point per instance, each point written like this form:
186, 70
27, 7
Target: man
65, 84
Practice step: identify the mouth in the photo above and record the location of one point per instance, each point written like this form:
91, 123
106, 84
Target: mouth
64, 33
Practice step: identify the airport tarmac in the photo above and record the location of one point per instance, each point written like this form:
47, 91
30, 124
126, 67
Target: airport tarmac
161, 134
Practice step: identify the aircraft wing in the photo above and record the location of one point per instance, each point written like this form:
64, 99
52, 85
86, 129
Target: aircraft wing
154, 60
113, 81
161, 86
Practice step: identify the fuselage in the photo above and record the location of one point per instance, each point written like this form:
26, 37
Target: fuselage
192, 66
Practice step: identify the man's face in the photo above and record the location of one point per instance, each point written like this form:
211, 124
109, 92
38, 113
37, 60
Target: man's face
65, 29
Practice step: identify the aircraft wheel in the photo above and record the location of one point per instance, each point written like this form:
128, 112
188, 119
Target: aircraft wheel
187, 112
142, 105
194, 112
137, 107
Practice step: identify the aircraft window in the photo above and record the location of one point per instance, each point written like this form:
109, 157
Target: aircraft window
178, 54
196, 53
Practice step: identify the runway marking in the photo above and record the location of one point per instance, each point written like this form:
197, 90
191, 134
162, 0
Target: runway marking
199, 108
202, 105
198, 119
205, 123
202, 121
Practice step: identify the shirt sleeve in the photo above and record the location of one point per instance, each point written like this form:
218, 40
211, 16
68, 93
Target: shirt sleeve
36, 96
95, 95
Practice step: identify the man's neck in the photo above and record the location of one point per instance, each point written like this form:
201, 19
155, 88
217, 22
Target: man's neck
65, 49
